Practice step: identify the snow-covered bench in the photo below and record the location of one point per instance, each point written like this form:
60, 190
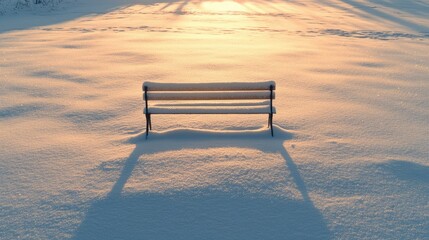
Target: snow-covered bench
209, 98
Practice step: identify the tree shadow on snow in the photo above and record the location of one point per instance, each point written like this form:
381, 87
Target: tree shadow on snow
45, 16
399, 12
74, 11
204, 213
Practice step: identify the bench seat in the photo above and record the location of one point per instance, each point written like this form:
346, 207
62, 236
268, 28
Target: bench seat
211, 110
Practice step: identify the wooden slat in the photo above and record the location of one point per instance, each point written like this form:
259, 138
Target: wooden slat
241, 110
203, 104
215, 86
208, 95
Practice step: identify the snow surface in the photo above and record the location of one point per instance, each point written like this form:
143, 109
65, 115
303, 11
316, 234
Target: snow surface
349, 159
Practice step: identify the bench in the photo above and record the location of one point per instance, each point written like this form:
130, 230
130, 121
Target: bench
209, 98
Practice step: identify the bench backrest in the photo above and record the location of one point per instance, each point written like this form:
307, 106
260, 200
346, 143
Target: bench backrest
209, 91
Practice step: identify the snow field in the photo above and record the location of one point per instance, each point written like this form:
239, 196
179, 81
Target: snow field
349, 159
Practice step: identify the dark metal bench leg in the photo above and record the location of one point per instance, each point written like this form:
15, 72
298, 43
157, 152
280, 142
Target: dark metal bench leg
270, 118
150, 122
147, 124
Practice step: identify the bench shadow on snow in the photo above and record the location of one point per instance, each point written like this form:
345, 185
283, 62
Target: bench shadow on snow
204, 213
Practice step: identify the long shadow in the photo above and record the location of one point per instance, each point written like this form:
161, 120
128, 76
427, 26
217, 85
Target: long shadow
204, 213
389, 17
20, 20
44, 17
419, 8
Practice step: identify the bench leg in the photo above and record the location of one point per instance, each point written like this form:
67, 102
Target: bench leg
147, 124
150, 122
270, 121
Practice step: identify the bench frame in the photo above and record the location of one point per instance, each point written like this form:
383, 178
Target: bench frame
149, 119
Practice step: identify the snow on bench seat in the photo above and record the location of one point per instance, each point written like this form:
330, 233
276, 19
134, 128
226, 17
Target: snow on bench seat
205, 110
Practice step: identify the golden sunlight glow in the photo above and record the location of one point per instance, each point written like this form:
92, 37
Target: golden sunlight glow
222, 6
